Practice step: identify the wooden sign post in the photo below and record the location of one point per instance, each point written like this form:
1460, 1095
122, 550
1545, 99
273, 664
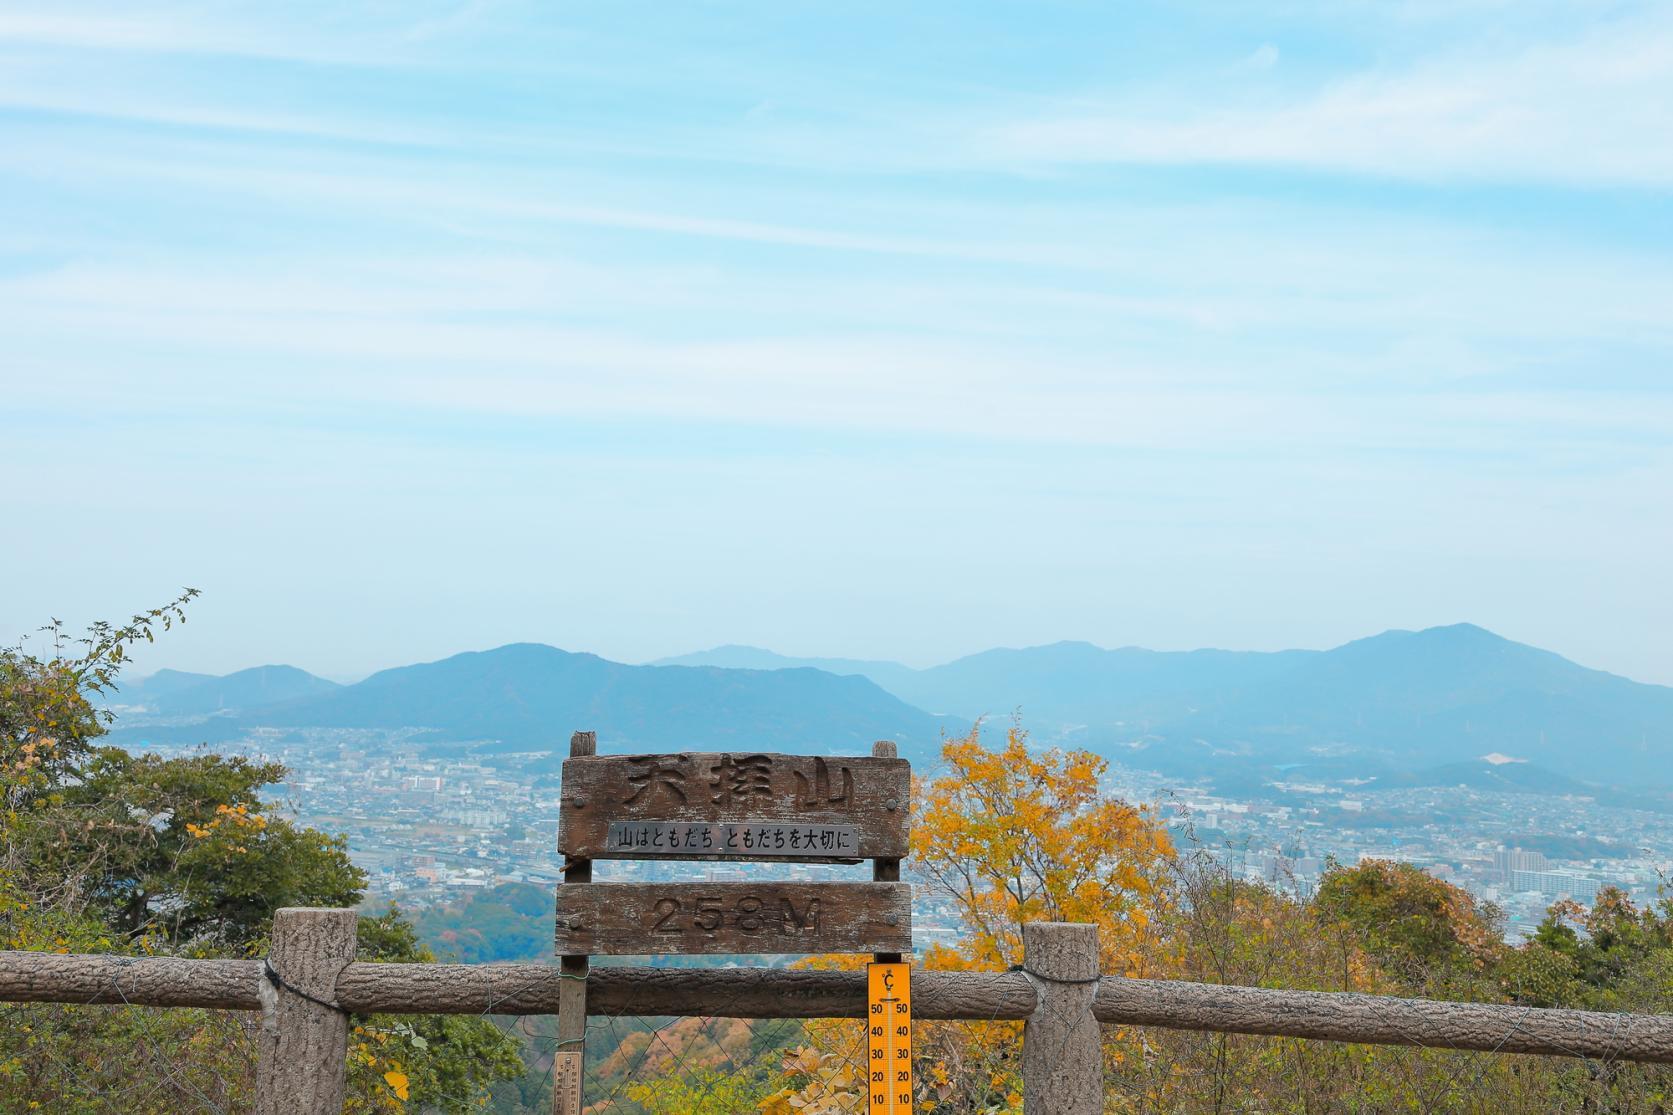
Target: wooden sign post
568, 1061
729, 806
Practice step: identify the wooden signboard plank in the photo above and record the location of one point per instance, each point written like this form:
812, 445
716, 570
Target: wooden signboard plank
630, 919
699, 805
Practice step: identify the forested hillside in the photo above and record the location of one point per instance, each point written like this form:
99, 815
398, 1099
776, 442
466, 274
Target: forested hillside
508, 922
103, 850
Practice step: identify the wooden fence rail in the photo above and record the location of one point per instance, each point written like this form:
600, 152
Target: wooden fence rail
310, 980
511, 989
1386, 1020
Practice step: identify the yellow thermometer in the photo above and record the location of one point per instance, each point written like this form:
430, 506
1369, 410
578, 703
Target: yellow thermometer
889, 1039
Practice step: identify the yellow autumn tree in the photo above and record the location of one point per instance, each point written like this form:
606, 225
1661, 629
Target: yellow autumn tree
1014, 835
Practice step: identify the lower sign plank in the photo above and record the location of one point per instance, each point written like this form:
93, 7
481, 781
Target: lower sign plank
640, 919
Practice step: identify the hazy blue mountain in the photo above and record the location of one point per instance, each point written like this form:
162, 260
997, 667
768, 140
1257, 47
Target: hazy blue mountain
1449, 694
1480, 774
1068, 682
1079, 684
237, 692
528, 697
160, 684
1392, 707
734, 656
1415, 699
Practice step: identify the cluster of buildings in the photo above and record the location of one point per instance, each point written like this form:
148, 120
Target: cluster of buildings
1522, 852
429, 824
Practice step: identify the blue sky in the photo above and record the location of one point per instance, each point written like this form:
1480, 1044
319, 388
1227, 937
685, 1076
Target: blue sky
883, 330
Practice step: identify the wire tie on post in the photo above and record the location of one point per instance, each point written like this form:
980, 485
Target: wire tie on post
1051, 979
279, 981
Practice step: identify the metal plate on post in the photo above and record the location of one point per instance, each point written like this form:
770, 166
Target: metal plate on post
566, 1082
631, 919
675, 839
615, 805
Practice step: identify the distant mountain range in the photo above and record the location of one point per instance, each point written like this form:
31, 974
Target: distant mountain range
1402, 707
529, 697
892, 676
1406, 699
174, 693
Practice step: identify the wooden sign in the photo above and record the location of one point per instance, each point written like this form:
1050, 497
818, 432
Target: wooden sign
888, 1039
714, 806
748, 806
566, 1082
629, 919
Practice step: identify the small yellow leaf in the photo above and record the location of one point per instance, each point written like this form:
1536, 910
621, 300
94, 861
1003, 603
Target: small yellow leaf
397, 1082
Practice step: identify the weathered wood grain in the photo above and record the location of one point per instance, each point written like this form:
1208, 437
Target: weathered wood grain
528, 989
513, 989
647, 919
886, 869
1386, 1020
523, 989
1062, 1062
301, 1066
152, 981
868, 792
572, 993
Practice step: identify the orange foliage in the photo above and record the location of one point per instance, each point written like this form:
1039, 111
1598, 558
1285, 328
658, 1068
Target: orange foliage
685, 1044
1013, 836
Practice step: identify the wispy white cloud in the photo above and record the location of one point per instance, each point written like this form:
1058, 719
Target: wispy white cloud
911, 283
144, 109
395, 190
1594, 110
138, 28
114, 30
1263, 57
502, 337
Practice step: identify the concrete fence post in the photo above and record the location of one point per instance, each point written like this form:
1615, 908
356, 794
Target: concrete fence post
1062, 1056
304, 1034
